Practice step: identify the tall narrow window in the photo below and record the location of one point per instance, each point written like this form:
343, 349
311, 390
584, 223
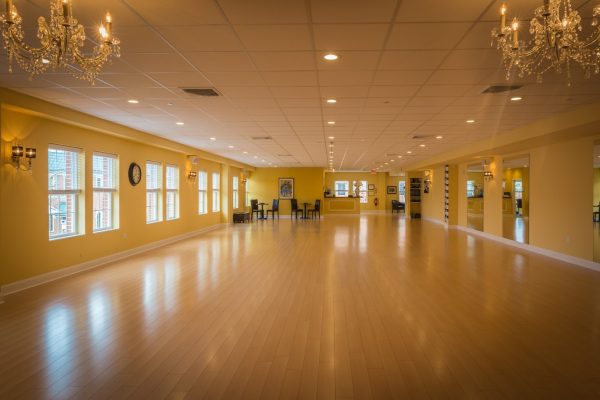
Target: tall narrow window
341, 188
153, 192
216, 188
65, 192
470, 188
402, 191
247, 185
202, 192
105, 200
172, 192
235, 185
363, 190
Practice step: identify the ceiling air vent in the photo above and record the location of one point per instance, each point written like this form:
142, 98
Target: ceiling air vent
206, 92
261, 138
421, 136
501, 88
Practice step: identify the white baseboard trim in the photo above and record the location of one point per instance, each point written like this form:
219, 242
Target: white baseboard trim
24, 284
435, 221
533, 249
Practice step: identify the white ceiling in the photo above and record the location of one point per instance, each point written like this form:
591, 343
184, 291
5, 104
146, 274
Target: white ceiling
412, 67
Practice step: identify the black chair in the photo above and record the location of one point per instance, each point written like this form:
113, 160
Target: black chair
316, 210
397, 206
519, 207
254, 209
295, 209
274, 209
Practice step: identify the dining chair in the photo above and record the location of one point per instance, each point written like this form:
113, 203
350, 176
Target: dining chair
274, 209
254, 209
295, 209
316, 210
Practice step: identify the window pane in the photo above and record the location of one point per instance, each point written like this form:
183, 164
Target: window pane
171, 206
203, 180
63, 169
62, 212
172, 177
153, 176
341, 188
103, 172
216, 198
202, 188
151, 206
103, 210
216, 180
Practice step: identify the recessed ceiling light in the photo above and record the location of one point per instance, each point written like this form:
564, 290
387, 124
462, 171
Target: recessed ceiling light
270, 163
213, 138
169, 104
331, 137
399, 156
263, 160
409, 152
392, 160
179, 123
516, 98
245, 152
231, 147
255, 156
331, 101
331, 122
439, 137
470, 121
330, 57
422, 145
133, 101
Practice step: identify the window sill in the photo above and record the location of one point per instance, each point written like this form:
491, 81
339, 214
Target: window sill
105, 230
153, 222
68, 236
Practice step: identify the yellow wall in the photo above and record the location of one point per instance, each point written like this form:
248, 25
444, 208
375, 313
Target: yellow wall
308, 185
432, 203
596, 186
523, 174
24, 244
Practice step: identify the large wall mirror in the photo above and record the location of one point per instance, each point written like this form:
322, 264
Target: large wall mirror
515, 199
475, 196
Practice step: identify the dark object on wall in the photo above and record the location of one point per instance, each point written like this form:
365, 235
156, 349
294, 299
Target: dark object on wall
392, 190
134, 174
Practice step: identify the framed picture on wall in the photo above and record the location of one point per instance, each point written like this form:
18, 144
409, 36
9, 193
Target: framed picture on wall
371, 186
392, 190
286, 188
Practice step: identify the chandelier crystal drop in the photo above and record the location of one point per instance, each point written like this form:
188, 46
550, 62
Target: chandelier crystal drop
555, 41
61, 43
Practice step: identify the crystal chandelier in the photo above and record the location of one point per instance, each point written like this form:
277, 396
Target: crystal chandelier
555, 42
61, 43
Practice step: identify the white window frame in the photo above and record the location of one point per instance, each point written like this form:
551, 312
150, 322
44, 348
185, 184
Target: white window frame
156, 191
235, 185
202, 192
114, 199
77, 191
216, 192
341, 193
172, 192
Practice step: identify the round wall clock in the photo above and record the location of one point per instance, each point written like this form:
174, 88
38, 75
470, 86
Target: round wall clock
135, 174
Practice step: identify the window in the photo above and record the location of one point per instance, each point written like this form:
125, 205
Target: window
341, 188
470, 188
172, 192
153, 192
105, 200
235, 185
247, 193
202, 189
65, 195
363, 190
402, 191
216, 186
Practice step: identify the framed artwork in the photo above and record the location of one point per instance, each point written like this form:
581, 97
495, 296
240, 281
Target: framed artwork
286, 188
392, 190
371, 186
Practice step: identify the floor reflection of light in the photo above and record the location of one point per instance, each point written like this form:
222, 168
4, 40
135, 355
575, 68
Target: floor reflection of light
341, 238
363, 234
150, 297
215, 255
58, 345
171, 282
519, 266
470, 246
519, 230
203, 261
99, 314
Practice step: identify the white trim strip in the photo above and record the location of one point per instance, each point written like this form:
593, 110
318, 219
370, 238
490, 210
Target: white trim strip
75, 269
581, 262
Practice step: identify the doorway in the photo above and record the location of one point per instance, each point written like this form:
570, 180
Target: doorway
515, 199
475, 197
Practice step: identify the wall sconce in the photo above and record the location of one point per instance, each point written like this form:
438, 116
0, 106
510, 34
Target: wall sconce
192, 175
17, 153
487, 175
244, 179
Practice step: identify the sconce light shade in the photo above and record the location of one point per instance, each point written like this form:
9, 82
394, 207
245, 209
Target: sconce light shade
192, 175
17, 152
488, 175
30, 152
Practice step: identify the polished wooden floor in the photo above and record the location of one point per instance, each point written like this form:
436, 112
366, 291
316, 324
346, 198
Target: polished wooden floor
372, 306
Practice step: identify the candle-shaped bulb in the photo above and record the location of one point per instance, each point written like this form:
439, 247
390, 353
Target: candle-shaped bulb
65, 8
103, 32
108, 19
565, 22
502, 17
515, 33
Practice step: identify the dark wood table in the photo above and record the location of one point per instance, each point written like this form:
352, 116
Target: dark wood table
262, 210
304, 216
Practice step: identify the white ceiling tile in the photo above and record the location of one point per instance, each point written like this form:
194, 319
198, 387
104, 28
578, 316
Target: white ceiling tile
158, 62
351, 60
265, 11
459, 77
339, 92
473, 59
295, 92
440, 11
165, 13
189, 39
412, 59
293, 78
345, 78
284, 60
274, 37
174, 80
408, 77
353, 11
220, 61
349, 37
426, 36
393, 91
235, 78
